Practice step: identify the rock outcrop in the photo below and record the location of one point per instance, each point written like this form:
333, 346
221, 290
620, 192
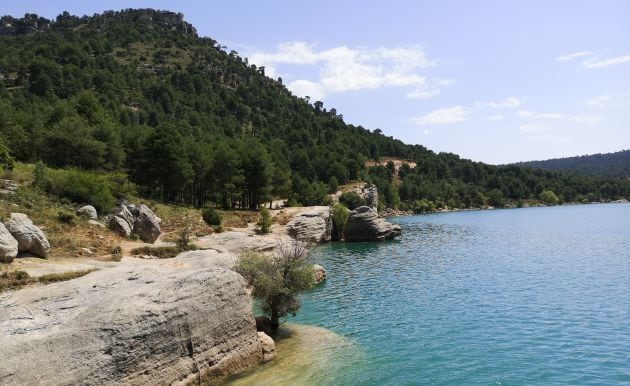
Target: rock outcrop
365, 225
8, 187
88, 211
370, 196
313, 225
8, 245
30, 238
140, 322
320, 273
268, 346
127, 218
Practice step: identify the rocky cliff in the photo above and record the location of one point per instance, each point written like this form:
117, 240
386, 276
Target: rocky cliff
141, 322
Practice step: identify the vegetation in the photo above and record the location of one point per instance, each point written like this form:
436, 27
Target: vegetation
278, 279
340, 216
18, 278
265, 221
211, 216
161, 252
549, 197
351, 200
602, 165
135, 100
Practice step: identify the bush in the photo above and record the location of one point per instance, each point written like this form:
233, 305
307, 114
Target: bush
340, 216
6, 161
264, 224
333, 185
66, 217
211, 216
351, 200
549, 197
423, 206
81, 186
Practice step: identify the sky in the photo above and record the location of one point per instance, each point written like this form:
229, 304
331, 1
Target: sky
493, 81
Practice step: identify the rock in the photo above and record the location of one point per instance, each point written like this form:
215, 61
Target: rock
210, 257
88, 211
268, 346
370, 196
365, 225
29, 237
124, 213
8, 245
238, 242
314, 225
146, 224
96, 223
8, 186
320, 273
120, 226
139, 322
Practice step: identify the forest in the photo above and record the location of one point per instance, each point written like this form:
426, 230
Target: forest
615, 164
139, 96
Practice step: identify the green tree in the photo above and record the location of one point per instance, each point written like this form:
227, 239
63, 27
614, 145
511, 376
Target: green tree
278, 279
6, 161
549, 197
264, 222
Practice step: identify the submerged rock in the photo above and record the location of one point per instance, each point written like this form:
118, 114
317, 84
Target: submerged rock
8, 245
140, 322
365, 225
314, 225
30, 238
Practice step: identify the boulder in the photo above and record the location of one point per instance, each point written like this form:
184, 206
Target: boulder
8, 245
146, 224
96, 223
370, 196
139, 322
88, 211
30, 238
365, 225
8, 186
120, 226
124, 213
320, 273
268, 346
313, 225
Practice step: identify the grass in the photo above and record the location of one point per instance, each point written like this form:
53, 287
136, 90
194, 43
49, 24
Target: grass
18, 279
163, 252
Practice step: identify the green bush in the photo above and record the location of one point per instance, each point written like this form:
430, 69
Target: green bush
351, 200
340, 216
549, 197
66, 217
81, 187
211, 216
423, 206
6, 161
264, 223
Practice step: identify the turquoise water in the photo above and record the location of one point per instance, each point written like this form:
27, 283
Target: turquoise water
507, 297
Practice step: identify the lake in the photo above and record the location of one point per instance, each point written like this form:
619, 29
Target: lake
503, 297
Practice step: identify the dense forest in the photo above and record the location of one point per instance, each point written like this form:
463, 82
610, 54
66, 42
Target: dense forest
138, 94
604, 165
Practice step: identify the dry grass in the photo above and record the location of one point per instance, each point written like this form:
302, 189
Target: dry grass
163, 252
18, 279
238, 219
282, 218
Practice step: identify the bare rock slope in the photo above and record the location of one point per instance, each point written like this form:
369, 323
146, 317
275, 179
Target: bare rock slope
141, 322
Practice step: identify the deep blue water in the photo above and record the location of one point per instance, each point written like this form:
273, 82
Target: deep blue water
506, 297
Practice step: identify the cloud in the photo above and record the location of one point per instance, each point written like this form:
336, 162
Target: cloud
531, 115
343, 68
600, 63
621, 99
573, 55
585, 119
509, 102
600, 100
495, 117
534, 127
547, 137
443, 116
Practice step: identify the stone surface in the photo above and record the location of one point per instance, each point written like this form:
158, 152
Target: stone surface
96, 223
211, 257
30, 238
268, 346
8, 186
8, 245
179, 321
313, 225
370, 196
365, 225
120, 226
320, 273
88, 211
123, 212
146, 224
238, 242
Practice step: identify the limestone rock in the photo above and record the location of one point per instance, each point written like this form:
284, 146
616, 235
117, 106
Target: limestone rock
120, 226
146, 224
320, 273
365, 225
96, 223
268, 346
29, 237
210, 257
139, 322
124, 213
8, 245
88, 211
313, 225
370, 196
8, 186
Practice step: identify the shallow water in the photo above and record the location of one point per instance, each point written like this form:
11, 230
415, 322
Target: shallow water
509, 297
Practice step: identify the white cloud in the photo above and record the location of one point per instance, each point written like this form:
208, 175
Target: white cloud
621, 99
600, 63
348, 69
573, 55
547, 137
534, 127
585, 119
531, 115
443, 116
495, 117
509, 102
600, 100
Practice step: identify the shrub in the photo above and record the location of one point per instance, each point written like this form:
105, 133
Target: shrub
351, 200
81, 186
340, 216
163, 252
66, 217
423, 206
549, 197
333, 185
264, 223
211, 216
6, 161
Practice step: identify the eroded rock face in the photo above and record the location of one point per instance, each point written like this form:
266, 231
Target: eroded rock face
365, 225
8, 245
88, 211
140, 322
120, 226
30, 238
314, 225
146, 224
268, 346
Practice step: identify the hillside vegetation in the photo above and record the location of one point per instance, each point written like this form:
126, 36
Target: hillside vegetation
603, 165
137, 96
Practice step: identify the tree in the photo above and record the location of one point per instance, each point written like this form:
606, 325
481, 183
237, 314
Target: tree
278, 279
549, 197
264, 223
333, 185
6, 161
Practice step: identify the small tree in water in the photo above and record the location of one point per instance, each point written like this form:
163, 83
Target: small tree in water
278, 279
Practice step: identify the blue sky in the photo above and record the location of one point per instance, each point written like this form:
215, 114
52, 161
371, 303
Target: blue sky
494, 81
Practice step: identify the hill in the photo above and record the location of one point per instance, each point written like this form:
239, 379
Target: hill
138, 95
615, 164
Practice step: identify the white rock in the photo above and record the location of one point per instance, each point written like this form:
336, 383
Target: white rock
88, 211
8, 245
268, 346
29, 237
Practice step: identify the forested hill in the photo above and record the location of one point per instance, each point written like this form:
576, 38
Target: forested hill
138, 93
609, 164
